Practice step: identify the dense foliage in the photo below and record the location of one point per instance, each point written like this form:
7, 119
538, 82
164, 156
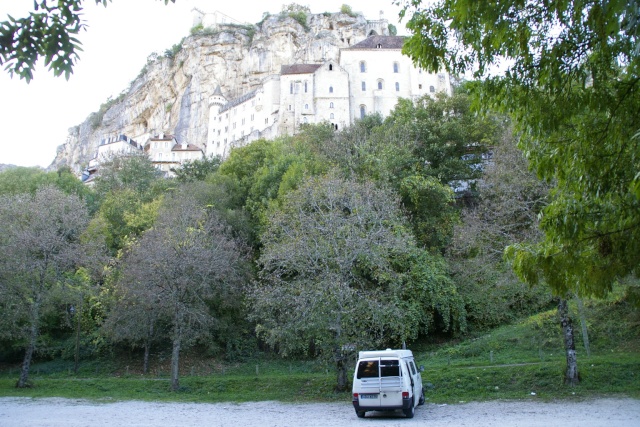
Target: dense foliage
313, 245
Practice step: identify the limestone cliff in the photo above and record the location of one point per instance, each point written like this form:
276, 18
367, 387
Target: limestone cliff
171, 94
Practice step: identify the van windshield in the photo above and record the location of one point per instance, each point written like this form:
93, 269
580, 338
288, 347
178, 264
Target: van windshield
375, 368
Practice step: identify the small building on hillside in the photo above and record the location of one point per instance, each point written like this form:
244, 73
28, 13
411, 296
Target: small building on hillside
167, 153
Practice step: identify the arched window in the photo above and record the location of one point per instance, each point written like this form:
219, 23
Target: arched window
330, 89
305, 87
380, 84
330, 67
331, 105
331, 116
363, 67
432, 89
364, 86
397, 87
363, 111
306, 106
396, 67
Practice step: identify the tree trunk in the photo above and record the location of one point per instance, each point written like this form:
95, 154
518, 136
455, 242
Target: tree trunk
76, 363
175, 359
28, 356
33, 337
342, 373
145, 362
571, 376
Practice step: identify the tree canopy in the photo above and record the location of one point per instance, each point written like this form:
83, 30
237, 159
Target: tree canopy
570, 81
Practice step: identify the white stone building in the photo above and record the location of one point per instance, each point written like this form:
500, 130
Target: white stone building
167, 153
369, 78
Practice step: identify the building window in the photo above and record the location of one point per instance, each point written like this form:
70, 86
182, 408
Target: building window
291, 88
364, 86
252, 117
432, 89
330, 67
305, 120
395, 67
363, 111
380, 84
331, 105
289, 107
420, 86
305, 87
306, 106
266, 121
363, 67
330, 89
331, 116
397, 87
243, 122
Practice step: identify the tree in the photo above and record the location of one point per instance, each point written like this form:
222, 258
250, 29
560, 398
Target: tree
331, 272
40, 242
198, 169
505, 212
573, 91
49, 32
187, 268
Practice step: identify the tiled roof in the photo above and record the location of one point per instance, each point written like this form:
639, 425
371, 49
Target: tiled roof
166, 137
299, 69
379, 42
189, 147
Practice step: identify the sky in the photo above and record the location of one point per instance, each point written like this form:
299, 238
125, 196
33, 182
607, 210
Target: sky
35, 117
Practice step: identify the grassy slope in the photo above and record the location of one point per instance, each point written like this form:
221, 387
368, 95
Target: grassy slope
522, 361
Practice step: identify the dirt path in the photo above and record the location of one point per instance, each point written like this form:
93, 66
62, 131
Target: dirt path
26, 412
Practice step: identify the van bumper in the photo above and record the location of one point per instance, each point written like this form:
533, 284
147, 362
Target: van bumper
406, 404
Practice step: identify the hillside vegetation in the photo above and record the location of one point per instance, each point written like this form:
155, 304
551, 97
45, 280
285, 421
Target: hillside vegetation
278, 261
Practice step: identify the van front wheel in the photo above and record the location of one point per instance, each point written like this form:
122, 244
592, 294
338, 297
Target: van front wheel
410, 411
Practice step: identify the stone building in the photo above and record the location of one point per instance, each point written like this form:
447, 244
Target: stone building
369, 78
167, 153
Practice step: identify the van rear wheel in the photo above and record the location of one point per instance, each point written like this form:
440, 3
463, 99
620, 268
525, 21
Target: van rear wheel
410, 411
421, 400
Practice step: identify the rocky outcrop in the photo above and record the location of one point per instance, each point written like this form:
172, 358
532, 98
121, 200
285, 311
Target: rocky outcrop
171, 94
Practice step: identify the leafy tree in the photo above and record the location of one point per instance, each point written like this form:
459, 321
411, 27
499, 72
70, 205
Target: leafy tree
39, 244
198, 169
49, 32
573, 90
188, 268
133, 172
27, 180
330, 272
510, 197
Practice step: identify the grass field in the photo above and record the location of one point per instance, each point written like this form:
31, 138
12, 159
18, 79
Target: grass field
521, 361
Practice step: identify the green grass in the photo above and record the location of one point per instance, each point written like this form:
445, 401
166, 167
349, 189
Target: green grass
521, 361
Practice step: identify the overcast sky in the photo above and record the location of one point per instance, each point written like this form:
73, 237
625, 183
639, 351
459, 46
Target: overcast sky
35, 117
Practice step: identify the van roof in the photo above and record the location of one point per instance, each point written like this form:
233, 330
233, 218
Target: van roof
385, 353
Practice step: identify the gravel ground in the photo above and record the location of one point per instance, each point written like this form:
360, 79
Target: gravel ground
27, 412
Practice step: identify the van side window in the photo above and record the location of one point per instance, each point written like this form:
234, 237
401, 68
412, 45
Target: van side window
413, 368
368, 369
389, 368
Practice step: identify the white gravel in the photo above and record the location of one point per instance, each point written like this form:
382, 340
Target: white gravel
28, 412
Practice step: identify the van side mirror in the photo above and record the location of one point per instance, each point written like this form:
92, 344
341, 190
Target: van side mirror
421, 368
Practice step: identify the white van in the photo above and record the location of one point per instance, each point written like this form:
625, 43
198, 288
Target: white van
387, 380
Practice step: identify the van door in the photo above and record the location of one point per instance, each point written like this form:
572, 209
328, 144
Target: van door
368, 374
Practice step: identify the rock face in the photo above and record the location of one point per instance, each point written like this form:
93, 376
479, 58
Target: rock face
171, 94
